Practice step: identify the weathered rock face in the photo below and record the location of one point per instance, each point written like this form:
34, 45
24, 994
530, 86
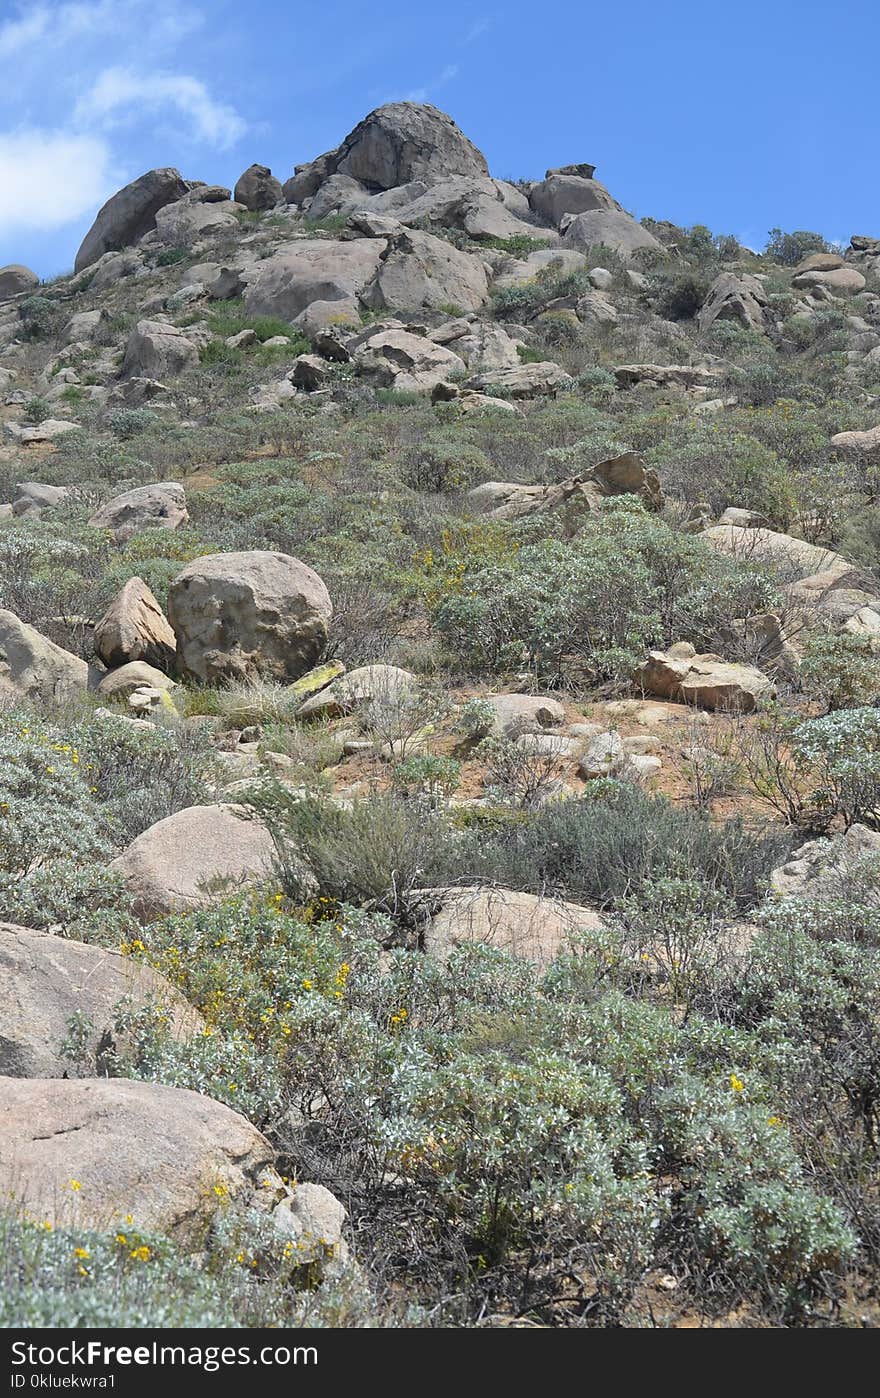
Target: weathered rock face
790, 557
536, 929
258, 188
366, 684
193, 858
15, 279
573, 499
311, 270
160, 506
858, 446
706, 681
134, 627
420, 270
523, 380
129, 214
560, 194
522, 271
46, 980
840, 281
156, 350
32, 667
393, 145
134, 1149
396, 359
183, 222
612, 228
735, 297
515, 714
240, 614
823, 868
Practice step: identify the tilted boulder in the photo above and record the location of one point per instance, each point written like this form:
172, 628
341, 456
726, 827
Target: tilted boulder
258, 189
15, 280
33, 667
105, 1152
393, 145
610, 228
159, 506
158, 350
46, 980
706, 681
136, 674
420, 270
194, 858
252, 613
858, 446
129, 214
575, 498
134, 627
397, 359
735, 297
311, 269
521, 924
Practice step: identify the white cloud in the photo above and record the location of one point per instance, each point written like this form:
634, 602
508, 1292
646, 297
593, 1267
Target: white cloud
50, 178
477, 30
421, 94
123, 92
75, 21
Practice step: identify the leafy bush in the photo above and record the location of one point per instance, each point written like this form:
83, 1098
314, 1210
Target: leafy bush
47, 810
791, 248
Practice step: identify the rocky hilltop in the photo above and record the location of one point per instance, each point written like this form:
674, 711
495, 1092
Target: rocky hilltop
440, 808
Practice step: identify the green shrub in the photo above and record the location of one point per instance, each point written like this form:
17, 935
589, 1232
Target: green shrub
47, 810
841, 670
791, 248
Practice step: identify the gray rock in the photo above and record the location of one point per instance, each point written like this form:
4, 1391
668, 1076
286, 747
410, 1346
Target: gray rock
46, 980
134, 627
420, 270
610, 228
312, 269
252, 613
194, 858
15, 280
129, 214
158, 350
160, 506
33, 667
258, 189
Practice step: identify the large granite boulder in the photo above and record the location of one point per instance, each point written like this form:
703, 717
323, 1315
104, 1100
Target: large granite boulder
195, 857
129, 214
110, 1152
572, 499
397, 359
610, 228
421, 271
396, 143
45, 981
159, 506
535, 929
15, 280
253, 613
311, 269
158, 350
33, 667
258, 189
739, 297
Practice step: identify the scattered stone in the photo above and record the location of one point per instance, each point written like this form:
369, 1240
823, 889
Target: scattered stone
194, 858
829, 868
160, 506
703, 680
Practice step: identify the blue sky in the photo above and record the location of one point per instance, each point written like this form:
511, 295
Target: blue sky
741, 117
